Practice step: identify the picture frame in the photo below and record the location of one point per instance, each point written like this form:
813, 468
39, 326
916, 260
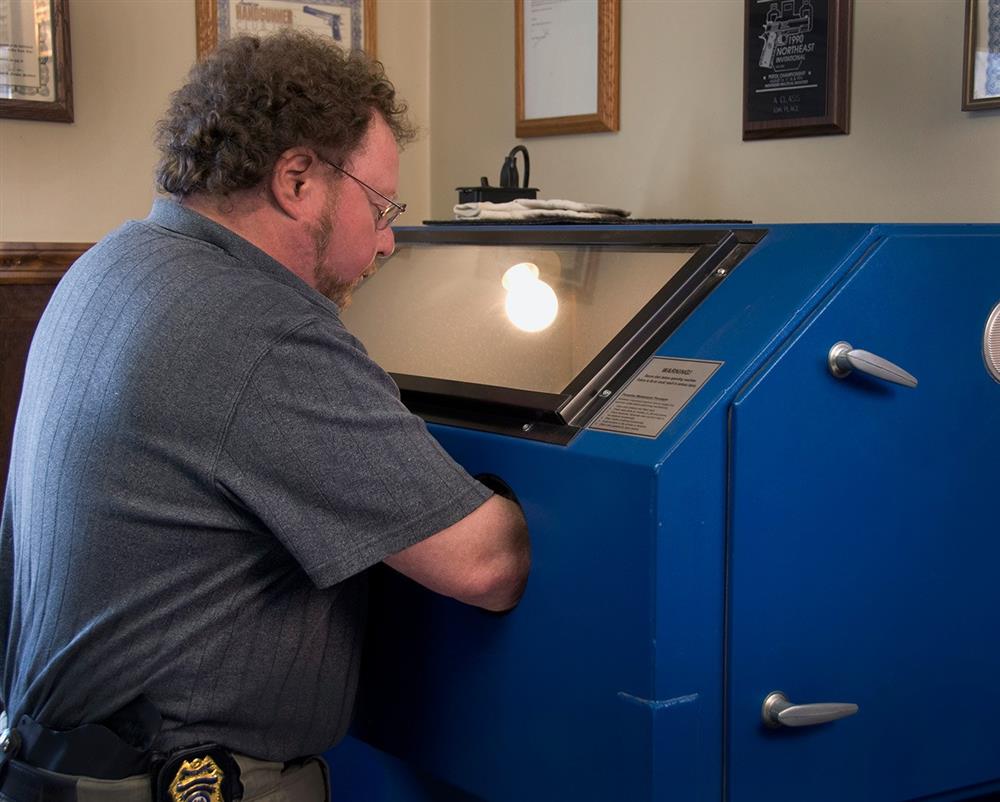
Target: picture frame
36, 74
567, 66
797, 68
981, 77
349, 22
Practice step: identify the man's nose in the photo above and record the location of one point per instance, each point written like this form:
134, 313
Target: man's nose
386, 242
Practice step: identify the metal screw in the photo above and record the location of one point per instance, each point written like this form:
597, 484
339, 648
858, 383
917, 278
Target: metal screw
605, 393
721, 271
527, 427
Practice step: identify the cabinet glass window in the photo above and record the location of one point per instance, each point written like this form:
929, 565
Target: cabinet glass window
522, 317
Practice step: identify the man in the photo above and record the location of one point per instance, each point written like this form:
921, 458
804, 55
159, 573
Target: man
206, 462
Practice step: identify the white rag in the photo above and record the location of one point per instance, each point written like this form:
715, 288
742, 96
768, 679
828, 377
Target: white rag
536, 209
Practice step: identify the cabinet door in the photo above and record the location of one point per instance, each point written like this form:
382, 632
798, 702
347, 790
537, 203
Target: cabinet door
865, 542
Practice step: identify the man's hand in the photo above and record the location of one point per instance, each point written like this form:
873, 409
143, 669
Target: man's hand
482, 560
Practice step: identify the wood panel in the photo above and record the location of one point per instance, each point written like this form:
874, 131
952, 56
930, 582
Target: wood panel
29, 272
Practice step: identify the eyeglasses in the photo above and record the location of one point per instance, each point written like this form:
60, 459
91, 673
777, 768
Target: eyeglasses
386, 214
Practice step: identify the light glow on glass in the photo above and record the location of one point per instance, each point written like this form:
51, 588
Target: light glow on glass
531, 303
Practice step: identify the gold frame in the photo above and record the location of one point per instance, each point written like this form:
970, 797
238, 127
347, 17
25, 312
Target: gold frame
207, 25
60, 108
608, 79
969, 101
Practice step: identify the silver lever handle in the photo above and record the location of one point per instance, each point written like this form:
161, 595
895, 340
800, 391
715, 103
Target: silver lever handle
777, 711
843, 359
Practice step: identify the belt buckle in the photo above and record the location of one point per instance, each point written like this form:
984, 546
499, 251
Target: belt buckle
205, 773
10, 745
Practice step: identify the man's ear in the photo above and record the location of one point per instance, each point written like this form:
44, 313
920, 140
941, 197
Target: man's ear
295, 183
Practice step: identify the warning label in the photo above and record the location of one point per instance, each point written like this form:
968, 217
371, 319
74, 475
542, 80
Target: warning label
645, 405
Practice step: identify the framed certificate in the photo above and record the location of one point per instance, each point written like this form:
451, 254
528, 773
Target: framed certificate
566, 64
981, 85
350, 23
36, 80
797, 68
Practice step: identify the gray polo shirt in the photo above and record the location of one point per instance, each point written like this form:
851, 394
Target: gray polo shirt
204, 464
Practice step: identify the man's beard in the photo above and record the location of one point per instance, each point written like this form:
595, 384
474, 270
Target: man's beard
326, 283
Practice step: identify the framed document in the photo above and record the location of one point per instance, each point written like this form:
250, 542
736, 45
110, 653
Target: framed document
36, 80
567, 66
981, 86
350, 23
797, 68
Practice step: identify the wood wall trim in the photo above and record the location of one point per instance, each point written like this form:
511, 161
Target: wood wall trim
37, 262
29, 272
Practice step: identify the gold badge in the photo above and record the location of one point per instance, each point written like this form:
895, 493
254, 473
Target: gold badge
198, 780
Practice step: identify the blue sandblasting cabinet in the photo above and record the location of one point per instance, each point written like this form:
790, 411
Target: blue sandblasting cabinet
759, 466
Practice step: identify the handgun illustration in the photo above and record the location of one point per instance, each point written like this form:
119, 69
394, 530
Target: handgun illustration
332, 19
782, 23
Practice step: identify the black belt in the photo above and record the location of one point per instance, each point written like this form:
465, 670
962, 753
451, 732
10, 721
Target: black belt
207, 771
21, 782
91, 749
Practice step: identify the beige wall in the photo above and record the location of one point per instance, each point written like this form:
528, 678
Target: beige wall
74, 182
912, 154
404, 31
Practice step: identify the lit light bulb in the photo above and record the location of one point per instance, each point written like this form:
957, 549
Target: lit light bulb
519, 274
531, 304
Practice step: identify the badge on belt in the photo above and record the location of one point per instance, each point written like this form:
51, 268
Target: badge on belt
201, 774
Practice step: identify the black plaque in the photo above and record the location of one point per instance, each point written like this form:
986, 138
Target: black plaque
797, 68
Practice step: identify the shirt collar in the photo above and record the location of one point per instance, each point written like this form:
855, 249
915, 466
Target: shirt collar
169, 214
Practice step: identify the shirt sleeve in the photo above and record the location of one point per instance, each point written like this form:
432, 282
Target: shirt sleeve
320, 450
